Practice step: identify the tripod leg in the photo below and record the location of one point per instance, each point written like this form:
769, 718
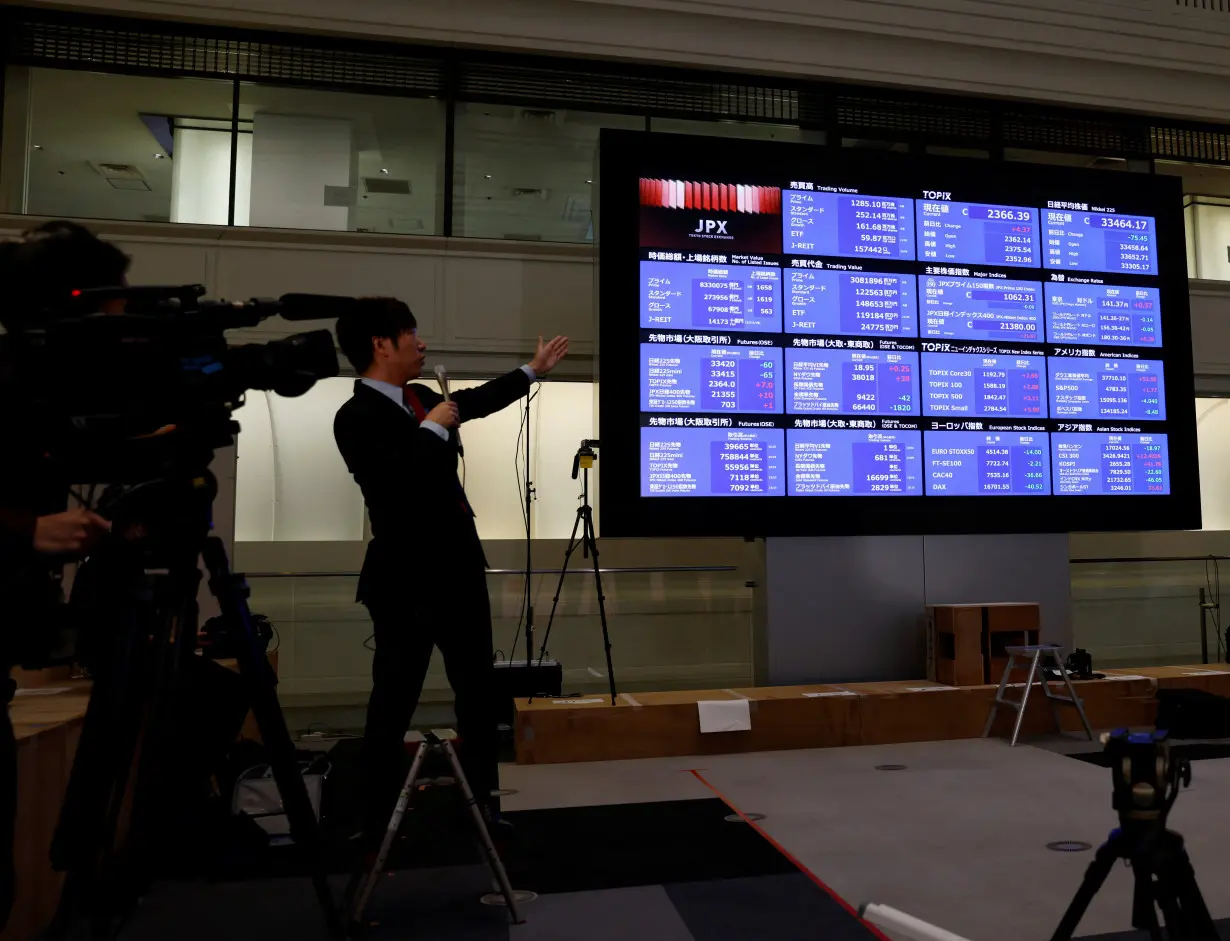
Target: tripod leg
162, 760
259, 682
484, 836
98, 835
1177, 884
559, 588
591, 543
1145, 898
1095, 875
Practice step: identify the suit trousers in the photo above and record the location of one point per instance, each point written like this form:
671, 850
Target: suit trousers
456, 617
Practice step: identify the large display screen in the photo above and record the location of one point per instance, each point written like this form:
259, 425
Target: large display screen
997, 348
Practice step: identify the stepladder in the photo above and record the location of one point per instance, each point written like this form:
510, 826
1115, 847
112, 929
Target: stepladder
1035, 658
422, 743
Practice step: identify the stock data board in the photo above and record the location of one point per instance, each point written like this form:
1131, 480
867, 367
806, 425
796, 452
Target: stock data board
997, 348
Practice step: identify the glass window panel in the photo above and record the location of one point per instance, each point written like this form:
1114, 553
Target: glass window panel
524, 173
746, 130
344, 162
1189, 236
1213, 443
292, 485
1057, 159
859, 143
1210, 237
127, 147
942, 151
1202, 178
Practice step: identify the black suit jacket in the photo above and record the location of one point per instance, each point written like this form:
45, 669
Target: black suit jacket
408, 476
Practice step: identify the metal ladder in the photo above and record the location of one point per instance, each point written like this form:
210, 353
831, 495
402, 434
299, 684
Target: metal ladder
1037, 654
435, 740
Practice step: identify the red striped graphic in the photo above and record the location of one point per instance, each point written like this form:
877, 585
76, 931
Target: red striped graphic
715, 197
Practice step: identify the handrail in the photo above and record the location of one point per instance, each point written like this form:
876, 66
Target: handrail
579, 570
1154, 558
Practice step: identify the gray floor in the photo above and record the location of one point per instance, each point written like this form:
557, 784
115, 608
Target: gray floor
957, 839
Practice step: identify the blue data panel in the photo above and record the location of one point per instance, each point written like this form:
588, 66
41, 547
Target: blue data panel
1099, 241
977, 234
1115, 389
843, 224
976, 309
845, 462
1103, 314
986, 463
852, 303
851, 382
684, 296
1097, 464
711, 462
985, 386
678, 377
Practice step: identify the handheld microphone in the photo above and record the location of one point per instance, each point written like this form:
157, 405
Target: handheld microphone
442, 379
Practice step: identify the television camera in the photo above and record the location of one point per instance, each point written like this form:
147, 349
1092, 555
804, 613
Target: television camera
138, 400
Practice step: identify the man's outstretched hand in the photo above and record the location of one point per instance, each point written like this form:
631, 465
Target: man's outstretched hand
548, 355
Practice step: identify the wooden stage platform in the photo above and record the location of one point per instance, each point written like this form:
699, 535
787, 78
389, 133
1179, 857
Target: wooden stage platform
659, 725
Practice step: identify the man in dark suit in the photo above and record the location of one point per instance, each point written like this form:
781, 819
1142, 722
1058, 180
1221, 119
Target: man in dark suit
423, 579
37, 531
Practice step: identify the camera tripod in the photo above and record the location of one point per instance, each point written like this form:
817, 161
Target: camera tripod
1163, 879
140, 607
588, 544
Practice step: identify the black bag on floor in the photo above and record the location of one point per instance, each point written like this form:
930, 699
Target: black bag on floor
1193, 713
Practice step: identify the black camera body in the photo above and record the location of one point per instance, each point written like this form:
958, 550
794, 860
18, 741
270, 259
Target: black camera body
123, 397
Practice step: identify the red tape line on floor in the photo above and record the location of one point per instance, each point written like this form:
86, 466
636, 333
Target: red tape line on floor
790, 856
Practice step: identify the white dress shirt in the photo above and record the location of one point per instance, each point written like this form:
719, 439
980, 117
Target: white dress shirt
395, 394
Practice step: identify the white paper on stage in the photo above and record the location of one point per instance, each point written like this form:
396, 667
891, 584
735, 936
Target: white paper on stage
725, 715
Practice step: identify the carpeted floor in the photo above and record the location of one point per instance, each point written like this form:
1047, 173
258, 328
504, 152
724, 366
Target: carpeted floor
668, 871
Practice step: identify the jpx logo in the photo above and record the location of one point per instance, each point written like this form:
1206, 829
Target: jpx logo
710, 227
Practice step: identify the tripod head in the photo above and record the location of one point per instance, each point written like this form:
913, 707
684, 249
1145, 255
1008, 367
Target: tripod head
1147, 776
585, 456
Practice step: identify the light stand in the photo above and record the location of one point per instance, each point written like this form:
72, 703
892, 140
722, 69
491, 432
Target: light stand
588, 544
529, 543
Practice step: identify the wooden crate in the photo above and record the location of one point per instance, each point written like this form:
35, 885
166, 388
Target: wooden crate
966, 642
954, 651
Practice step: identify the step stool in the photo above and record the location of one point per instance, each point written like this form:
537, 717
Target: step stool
1037, 655
440, 740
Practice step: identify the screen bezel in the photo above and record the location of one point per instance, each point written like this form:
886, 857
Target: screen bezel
627, 156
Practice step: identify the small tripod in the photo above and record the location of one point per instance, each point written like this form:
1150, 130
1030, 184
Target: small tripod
588, 544
1147, 781
1164, 879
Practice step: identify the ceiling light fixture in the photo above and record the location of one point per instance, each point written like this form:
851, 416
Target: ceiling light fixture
160, 156
38, 146
384, 171
486, 176
589, 182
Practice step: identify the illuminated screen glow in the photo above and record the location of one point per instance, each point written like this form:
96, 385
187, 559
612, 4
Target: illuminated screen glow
998, 349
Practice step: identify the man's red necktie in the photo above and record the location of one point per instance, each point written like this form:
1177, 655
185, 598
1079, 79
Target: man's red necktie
412, 402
